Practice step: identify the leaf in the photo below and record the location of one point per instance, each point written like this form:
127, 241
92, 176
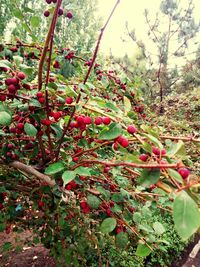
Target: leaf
142, 250
154, 140
108, 225
35, 21
30, 129
68, 176
5, 118
149, 177
93, 202
159, 228
5, 64
121, 240
83, 171
175, 175
105, 193
177, 149
18, 14
186, 215
137, 217
58, 131
127, 104
55, 168
111, 132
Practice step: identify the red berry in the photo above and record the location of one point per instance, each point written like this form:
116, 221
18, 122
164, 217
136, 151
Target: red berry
56, 65
119, 230
39, 95
41, 100
11, 88
69, 15
143, 157
40, 204
10, 146
75, 159
68, 187
184, 172
87, 120
131, 129
2, 98
46, 122
106, 120
48, 1
69, 100
46, 13
163, 152
156, 151
21, 75
8, 81
1, 206
131, 209
60, 12
108, 212
20, 126
98, 121
57, 115
83, 204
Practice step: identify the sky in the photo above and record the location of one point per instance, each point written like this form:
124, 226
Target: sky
131, 11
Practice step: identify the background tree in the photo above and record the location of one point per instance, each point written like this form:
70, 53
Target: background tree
171, 33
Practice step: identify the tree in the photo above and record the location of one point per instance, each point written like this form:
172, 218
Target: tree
171, 33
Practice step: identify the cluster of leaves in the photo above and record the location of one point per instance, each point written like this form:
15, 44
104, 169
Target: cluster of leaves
86, 155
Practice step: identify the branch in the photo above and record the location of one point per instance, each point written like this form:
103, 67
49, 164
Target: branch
30, 170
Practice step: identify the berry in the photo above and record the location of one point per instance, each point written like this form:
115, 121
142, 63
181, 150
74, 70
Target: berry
69, 100
69, 15
184, 172
163, 152
106, 120
40, 204
87, 120
48, 1
106, 169
20, 126
75, 159
57, 115
21, 75
39, 95
83, 204
41, 100
11, 88
156, 151
46, 122
98, 121
1, 206
10, 146
46, 13
143, 157
2, 98
131, 129
60, 12
56, 65
123, 141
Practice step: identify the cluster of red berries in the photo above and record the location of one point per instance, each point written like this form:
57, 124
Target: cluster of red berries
71, 185
85, 208
70, 216
69, 14
13, 84
40, 97
158, 152
122, 140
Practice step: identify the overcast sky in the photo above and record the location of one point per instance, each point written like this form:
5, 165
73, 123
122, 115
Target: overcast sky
131, 11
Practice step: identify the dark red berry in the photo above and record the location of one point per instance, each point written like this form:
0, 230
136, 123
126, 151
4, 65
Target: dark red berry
46, 13
143, 157
184, 172
21, 75
69, 15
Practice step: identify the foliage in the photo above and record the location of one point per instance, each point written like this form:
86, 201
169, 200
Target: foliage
84, 160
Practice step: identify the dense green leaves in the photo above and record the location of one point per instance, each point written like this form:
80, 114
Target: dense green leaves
186, 215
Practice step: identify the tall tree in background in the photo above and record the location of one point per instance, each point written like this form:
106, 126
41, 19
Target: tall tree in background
170, 33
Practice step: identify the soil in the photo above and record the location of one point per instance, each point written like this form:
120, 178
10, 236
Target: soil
38, 256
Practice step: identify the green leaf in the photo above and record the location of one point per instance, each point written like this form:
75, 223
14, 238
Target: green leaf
177, 149
142, 250
137, 217
5, 118
5, 64
18, 14
30, 129
154, 140
121, 240
175, 175
158, 228
186, 215
127, 104
83, 171
93, 202
68, 176
149, 177
111, 132
35, 21
55, 168
105, 193
57, 129
108, 225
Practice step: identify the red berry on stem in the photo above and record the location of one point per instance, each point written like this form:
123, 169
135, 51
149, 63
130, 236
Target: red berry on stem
156, 151
106, 120
143, 157
21, 75
46, 13
87, 120
39, 95
69, 15
69, 100
131, 129
184, 172
41, 100
98, 121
